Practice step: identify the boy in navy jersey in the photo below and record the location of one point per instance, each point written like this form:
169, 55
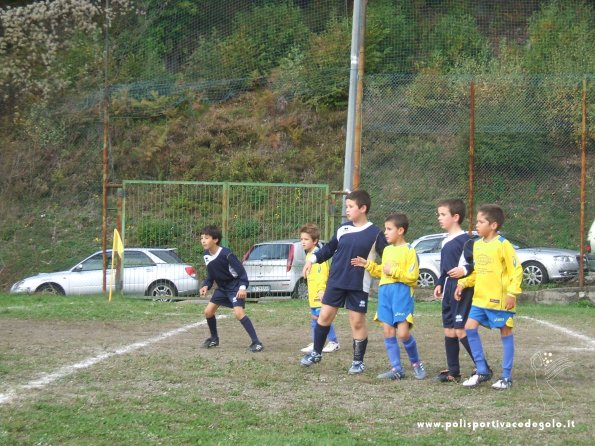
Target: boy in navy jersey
347, 285
224, 268
456, 259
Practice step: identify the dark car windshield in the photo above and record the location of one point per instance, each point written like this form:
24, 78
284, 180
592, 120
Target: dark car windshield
269, 252
169, 256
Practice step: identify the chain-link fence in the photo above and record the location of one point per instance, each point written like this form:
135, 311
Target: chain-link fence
257, 91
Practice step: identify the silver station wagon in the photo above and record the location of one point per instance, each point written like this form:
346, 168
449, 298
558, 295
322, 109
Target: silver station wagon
540, 265
155, 272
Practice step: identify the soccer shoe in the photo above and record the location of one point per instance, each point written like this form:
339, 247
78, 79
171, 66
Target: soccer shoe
419, 372
210, 342
392, 374
309, 348
502, 384
331, 346
356, 368
310, 358
446, 377
256, 347
477, 379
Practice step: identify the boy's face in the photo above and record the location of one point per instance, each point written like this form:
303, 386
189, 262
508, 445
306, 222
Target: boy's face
208, 242
484, 227
393, 233
308, 242
353, 212
445, 219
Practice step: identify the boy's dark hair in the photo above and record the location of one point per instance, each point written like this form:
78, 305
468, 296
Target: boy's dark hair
493, 214
399, 220
212, 231
312, 230
361, 198
455, 206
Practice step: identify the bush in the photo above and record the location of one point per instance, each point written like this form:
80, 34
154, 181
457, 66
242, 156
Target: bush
157, 232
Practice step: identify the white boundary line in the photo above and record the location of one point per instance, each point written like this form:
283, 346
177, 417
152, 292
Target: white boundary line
566, 331
48, 378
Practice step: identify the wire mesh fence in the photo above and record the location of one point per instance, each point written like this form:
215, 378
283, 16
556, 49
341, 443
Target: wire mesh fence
257, 91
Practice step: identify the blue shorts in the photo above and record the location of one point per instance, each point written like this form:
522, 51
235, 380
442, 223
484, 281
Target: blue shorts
455, 313
227, 298
492, 318
395, 304
315, 311
353, 300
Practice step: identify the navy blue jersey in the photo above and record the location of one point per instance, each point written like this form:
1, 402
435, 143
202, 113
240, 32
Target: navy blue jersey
349, 242
457, 250
225, 269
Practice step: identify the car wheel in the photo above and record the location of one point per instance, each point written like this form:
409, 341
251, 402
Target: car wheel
534, 273
50, 288
426, 279
301, 290
163, 291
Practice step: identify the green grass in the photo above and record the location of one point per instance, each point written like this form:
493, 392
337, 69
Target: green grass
170, 392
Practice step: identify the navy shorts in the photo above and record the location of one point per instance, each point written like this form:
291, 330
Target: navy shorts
227, 298
354, 300
455, 313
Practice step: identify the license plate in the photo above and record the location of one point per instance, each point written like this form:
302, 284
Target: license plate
258, 288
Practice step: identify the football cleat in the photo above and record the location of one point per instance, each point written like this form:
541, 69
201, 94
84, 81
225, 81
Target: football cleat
419, 372
210, 342
502, 384
331, 346
310, 358
256, 347
392, 374
356, 368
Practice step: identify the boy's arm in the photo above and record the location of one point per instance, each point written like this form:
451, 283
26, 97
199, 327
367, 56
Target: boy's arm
514, 269
239, 269
409, 272
324, 253
373, 268
468, 281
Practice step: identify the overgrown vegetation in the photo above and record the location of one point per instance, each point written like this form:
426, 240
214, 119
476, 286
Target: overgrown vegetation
256, 91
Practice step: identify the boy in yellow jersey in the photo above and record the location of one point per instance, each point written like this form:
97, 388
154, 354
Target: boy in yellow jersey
317, 277
398, 277
497, 278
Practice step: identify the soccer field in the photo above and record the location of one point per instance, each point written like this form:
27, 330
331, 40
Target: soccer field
81, 371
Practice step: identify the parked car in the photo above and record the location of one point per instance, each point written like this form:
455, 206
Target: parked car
540, 265
591, 238
155, 272
275, 267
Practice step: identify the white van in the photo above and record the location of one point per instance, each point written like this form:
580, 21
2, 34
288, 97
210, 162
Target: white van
275, 268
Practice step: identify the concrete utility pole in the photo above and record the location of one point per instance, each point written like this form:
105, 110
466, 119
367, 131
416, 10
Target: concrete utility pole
357, 39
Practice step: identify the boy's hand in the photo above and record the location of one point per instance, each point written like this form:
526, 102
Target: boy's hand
358, 261
386, 268
438, 292
510, 302
458, 292
457, 272
241, 294
306, 269
203, 290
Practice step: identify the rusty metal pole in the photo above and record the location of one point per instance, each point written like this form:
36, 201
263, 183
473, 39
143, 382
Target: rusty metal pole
357, 143
105, 148
581, 263
471, 152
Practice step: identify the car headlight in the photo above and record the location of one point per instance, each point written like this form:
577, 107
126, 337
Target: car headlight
563, 259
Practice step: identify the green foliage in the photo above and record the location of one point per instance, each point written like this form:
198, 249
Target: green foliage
454, 38
245, 229
319, 74
255, 45
152, 232
561, 36
391, 37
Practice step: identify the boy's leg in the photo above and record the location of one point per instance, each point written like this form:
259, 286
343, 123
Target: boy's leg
359, 331
507, 351
323, 326
451, 345
332, 334
410, 345
238, 310
213, 340
476, 348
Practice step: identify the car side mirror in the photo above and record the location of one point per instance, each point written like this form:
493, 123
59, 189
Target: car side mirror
78, 268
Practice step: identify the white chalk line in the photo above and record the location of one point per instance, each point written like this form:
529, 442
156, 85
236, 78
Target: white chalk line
590, 341
48, 378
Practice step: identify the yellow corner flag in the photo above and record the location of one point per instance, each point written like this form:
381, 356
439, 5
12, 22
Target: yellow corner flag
118, 247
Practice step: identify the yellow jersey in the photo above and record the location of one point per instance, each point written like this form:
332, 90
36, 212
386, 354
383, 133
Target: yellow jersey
497, 273
317, 278
404, 266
